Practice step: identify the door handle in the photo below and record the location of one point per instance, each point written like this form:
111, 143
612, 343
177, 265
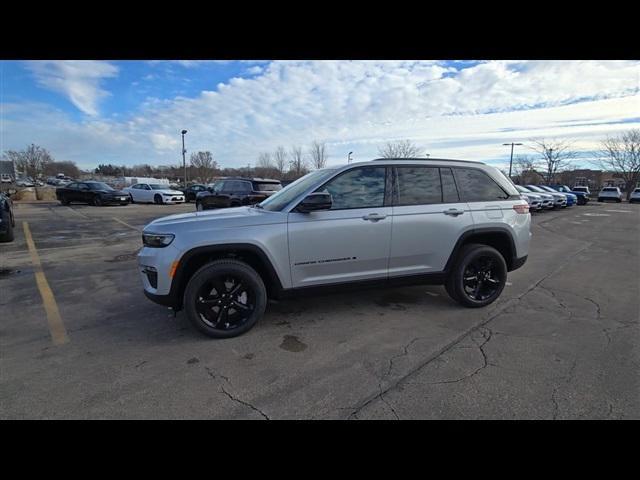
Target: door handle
454, 212
374, 217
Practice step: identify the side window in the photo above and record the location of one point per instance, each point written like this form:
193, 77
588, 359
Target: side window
357, 188
72, 185
477, 186
229, 186
418, 186
83, 186
245, 187
449, 190
146, 187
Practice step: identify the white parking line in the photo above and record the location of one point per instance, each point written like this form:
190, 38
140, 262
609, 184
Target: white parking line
618, 211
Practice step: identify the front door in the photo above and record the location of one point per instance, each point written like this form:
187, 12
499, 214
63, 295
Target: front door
349, 242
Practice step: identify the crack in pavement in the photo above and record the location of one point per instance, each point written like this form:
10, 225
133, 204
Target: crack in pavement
214, 376
495, 313
485, 361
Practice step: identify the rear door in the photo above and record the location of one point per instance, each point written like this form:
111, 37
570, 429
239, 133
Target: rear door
428, 219
351, 241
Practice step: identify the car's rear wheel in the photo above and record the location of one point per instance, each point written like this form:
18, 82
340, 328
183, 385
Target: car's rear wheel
478, 276
225, 298
158, 199
8, 235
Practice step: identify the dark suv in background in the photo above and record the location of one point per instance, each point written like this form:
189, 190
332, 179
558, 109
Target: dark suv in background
236, 192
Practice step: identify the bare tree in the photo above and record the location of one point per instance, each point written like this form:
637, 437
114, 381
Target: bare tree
31, 161
264, 161
298, 164
203, 166
318, 153
400, 149
621, 155
66, 167
280, 160
555, 156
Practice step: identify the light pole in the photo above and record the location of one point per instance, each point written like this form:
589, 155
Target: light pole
511, 160
184, 160
349, 157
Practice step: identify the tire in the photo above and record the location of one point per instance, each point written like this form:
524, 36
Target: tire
9, 235
131, 198
618, 200
211, 278
64, 201
97, 201
235, 204
157, 199
468, 259
600, 200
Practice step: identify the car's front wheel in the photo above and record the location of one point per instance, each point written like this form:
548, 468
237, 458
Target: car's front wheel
97, 201
478, 276
225, 298
158, 199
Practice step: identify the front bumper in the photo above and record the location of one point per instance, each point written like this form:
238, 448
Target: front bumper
174, 199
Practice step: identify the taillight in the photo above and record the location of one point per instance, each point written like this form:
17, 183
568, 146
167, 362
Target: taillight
521, 208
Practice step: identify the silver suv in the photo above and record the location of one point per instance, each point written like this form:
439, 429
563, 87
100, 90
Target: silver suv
389, 221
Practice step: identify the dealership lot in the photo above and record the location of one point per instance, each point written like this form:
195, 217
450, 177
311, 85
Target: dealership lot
561, 342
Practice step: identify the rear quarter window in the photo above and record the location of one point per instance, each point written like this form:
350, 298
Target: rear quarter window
476, 186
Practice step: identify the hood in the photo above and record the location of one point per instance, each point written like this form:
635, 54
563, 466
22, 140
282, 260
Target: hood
211, 219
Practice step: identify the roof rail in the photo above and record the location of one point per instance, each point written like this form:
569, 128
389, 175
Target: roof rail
424, 160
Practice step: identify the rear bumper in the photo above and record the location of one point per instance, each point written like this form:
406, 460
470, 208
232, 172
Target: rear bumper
518, 262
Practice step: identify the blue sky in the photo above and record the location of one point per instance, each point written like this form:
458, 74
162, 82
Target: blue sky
131, 112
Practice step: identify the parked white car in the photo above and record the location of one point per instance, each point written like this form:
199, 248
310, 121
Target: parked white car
5, 178
610, 193
153, 193
635, 196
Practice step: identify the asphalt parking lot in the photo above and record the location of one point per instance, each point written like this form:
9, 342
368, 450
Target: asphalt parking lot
562, 342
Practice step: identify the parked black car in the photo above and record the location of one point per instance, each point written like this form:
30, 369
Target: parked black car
93, 193
235, 192
192, 191
7, 221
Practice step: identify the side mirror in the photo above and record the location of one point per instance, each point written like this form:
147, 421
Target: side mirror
315, 201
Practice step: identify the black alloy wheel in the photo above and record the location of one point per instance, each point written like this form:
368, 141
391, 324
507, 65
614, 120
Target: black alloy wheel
225, 298
478, 276
97, 201
158, 199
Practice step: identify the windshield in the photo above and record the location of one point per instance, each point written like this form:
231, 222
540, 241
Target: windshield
547, 189
268, 187
278, 201
580, 189
157, 186
99, 186
610, 189
533, 188
521, 189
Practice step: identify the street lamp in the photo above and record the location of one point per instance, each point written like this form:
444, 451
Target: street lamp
349, 157
184, 160
511, 160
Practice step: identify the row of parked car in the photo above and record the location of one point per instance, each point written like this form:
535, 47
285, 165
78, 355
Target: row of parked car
541, 197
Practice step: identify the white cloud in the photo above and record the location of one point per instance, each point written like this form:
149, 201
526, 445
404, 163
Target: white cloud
79, 80
358, 105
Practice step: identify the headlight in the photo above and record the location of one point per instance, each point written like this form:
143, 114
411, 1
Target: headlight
157, 240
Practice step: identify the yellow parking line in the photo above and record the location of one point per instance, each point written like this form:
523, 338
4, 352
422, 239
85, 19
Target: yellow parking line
126, 224
56, 327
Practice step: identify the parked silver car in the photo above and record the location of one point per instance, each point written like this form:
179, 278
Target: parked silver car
559, 199
635, 196
389, 221
534, 200
546, 199
610, 193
